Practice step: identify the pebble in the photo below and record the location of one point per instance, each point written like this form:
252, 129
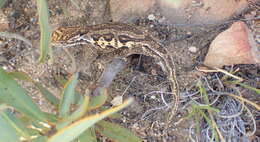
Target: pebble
4, 23
153, 97
193, 49
151, 17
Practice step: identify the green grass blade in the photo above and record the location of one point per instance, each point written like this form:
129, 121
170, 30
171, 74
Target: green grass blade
40, 139
51, 117
7, 132
116, 132
18, 125
78, 96
203, 93
248, 87
209, 122
98, 101
46, 93
4, 107
20, 76
82, 109
43, 12
68, 96
88, 136
72, 131
12, 94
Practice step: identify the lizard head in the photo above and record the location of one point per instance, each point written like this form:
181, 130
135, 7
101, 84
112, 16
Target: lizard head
70, 36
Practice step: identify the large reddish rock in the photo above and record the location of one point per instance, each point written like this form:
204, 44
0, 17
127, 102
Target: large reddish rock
233, 46
187, 13
201, 11
198, 12
127, 10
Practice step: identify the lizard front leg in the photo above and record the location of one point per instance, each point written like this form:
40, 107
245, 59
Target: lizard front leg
109, 73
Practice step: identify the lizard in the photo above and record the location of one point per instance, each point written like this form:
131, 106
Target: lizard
119, 40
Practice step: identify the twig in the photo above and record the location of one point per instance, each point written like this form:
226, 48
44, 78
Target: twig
245, 100
128, 86
221, 70
15, 36
222, 139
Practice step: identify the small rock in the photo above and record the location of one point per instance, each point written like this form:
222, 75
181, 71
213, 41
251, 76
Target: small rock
118, 100
153, 97
154, 72
5, 67
193, 49
151, 17
233, 46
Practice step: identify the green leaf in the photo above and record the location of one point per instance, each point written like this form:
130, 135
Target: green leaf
204, 94
20, 76
40, 139
72, 131
76, 114
2, 2
209, 122
116, 133
98, 101
248, 87
8, 133
46, 93
88, 136
68, 96
115, 116
17, 125
78, 97
51, 117
45, 40
82, 109
14, 95
4, 107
